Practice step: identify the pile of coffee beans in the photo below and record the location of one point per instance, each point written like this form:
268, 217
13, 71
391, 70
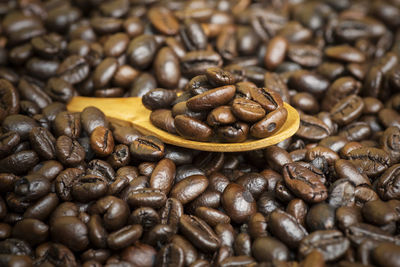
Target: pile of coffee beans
79, 189
214, 107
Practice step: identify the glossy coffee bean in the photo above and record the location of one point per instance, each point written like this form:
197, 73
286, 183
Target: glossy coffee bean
270, 124
189, 188
147, 148
198, 231
191, 128
238, 202
71, 232
102, 141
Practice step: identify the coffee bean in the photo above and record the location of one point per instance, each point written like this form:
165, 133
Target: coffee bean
331, 243
193, 36
189, 188
163, 20
199, 233
369, 160
211, 98
270, 124
166, 67
124, 237
191, 128
247, 110
19, 162
69, 151
71, 232
141, 51
158, 99
386, 254
304, 183
345, 53
238, 202
102, 141
147, 148
269, 248
197, 62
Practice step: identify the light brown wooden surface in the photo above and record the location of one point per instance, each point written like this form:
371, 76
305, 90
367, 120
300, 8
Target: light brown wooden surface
131, 109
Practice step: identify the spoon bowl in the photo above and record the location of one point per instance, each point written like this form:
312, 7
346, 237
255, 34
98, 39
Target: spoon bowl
131, 109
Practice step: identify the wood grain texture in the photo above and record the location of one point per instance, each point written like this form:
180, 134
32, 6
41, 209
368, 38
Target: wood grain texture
130, 109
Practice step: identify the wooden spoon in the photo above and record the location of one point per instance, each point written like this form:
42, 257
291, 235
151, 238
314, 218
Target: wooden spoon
131, 109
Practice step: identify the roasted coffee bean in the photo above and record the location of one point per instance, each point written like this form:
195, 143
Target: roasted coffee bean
192, 35
163, 20
145, 216
147, 197
69, 151
197, 231
211, 98
238, 202
64, 182
276, 157
166, 68
124, 237
163, 175
102, 141
147, 148
193, 129
287, 229
308, 82
305, 55
304, 183
220, 116
89, 187
9, 99
19, 162
171, 212
141, 50
390, 144
91, 118
247, 110
347, 110
31, 230
268, 249
270, 124
189, 188
235, 133
32, 187
198, 85
219, 77
71, 232
387, 183
158, 99
74, 69
312, 128
345, 53
120, 156
101, 168
276, 51
43, 142
182, 109
170, 254
20, 124
42, 208
7, 142
386, 254
68, 124
254, 182
369, 160
197, 62
331, 243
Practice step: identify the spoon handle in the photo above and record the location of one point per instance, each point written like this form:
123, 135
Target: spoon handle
126, 109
